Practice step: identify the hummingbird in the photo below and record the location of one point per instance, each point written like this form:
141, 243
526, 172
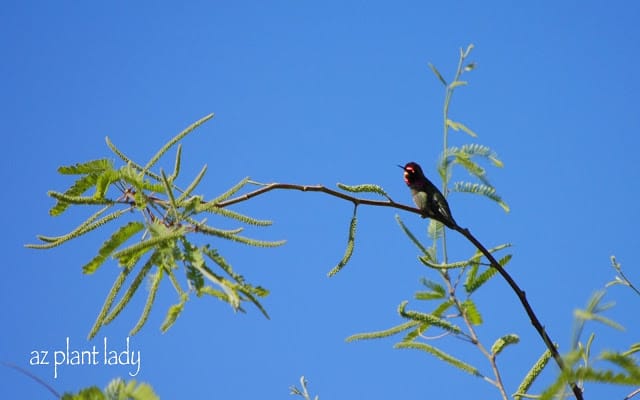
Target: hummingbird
426, 195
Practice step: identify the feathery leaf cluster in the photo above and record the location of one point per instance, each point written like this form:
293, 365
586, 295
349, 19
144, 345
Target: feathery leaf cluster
168, 217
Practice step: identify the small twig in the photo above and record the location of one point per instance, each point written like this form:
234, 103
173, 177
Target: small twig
440, 336
32, 376
465, 232
630, 395
628, 282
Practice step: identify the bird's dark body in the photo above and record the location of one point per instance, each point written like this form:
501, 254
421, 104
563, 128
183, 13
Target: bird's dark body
426, 195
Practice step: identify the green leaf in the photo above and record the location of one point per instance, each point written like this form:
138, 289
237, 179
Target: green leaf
437, 291
473, 282
118, 390
176, 164
117, 238
587, 316
233, 190
586, 349
471, 311
158, 240
191, 205
384, 333
240, 239
365, 188
453, 265
428, 319
423, 327
176, 139
106, 306
435, 229
472, 167
105, 180
592, 313
172, 206
624, 361
350, 245
89, 167
469, 151
129, 162
218, 294
87, 226
607, 377
531, 376
616, 281
221, 262
474, 285
155, 284
128, 295
481, 189
78, 188
132, 176
427, 296
441, 355
61, 197
444, 306
192, 186
90, 393
130, 259
459, 126
173, 313
239, 217
456, 84
595, 303
437, 73
634, 348
413, 239
479, 150
230, 294
249, 291
503, 342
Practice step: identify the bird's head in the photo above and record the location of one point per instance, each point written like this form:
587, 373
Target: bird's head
412, 172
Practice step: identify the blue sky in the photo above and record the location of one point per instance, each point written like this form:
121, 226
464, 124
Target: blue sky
315, 93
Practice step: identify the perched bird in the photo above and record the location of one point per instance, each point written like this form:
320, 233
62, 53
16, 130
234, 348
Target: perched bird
427, 196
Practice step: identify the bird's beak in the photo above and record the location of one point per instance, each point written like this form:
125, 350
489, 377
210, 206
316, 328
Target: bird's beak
401, 166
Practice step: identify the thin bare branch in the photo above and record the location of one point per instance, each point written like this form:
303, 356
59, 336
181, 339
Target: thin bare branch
318, 188
630, 395
32, 376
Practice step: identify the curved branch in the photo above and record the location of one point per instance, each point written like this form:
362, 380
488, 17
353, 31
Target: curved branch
318, 188
525, 303
463, 231
32, 376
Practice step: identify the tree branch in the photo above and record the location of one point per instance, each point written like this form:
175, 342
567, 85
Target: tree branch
525, 303
630, 395
318, 188
463, 231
